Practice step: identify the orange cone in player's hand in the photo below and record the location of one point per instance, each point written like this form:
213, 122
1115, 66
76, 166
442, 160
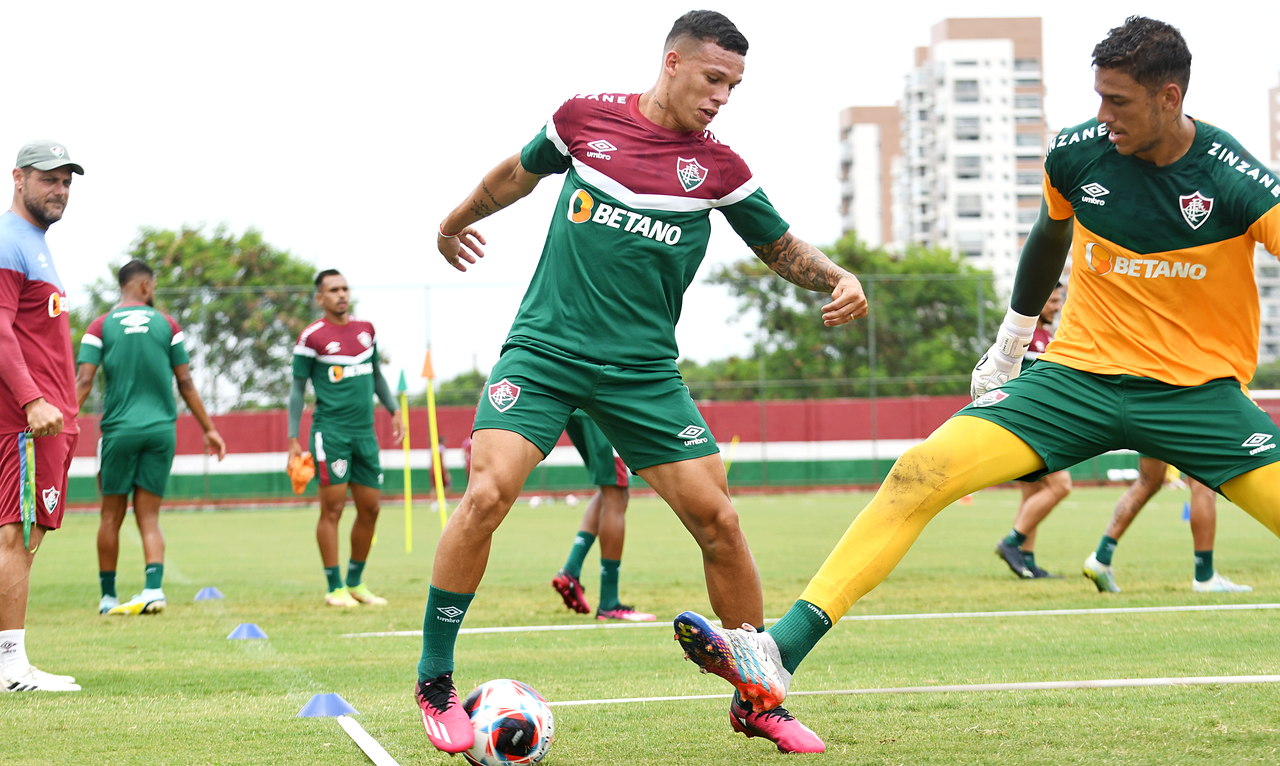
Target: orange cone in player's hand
301, 470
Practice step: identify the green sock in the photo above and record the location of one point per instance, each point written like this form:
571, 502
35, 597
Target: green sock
334, 576
1030, 558
799, 630
355, 573
440, 625
609, 583
1015, 538
578, 553
107, 581
1204, 565
1105, 549
155, 575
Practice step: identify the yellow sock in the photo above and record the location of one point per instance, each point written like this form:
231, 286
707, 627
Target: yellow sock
964, 455
1255, 492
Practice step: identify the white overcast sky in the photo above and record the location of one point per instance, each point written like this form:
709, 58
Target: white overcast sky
345, 131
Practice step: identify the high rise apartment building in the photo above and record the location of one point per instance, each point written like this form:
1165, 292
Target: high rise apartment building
966, 170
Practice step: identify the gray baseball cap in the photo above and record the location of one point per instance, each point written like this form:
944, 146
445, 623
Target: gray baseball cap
46, 155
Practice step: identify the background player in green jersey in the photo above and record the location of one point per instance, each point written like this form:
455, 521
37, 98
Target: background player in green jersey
605, 518
1152, 475
339, 355
596, 332
140, 351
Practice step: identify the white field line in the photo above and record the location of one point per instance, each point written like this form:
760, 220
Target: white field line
1110, 683
854, 618
367, 743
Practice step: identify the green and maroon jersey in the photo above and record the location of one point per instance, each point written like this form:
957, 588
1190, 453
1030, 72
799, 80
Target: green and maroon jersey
339, 360
137, 348
629, 230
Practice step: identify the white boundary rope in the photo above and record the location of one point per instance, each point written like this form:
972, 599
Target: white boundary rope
855, 618
1111, 683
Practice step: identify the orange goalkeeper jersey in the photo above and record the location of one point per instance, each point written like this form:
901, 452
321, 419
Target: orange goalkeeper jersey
1162, 281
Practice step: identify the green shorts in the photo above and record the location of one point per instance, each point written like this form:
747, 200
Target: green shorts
647, 415
128, 459
1213, 431
605, 468
342, 457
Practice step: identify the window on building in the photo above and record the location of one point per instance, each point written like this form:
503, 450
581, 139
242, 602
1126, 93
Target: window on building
968, 167
1026, 101
968, 205
1024, 65
1029, 178
969, 243
968, 129
1027, 139
966, 91
1027, 214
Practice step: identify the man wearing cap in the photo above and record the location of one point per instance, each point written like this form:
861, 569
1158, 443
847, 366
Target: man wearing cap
38, 429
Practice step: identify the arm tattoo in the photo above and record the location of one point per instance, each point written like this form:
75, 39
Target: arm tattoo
483, 209
800, 263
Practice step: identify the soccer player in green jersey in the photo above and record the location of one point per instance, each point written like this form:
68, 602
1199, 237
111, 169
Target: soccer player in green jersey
1161, 213
339, 355
140, 351
596, 332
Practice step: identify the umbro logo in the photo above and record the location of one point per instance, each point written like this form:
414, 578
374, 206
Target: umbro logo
451, 614
1094, 190
600, 149
693, 435
1259, 443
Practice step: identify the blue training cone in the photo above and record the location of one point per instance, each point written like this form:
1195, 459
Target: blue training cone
208, 593
326, 706
246, 630
1186, 511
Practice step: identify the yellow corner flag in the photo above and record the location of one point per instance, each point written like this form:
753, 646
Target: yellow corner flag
437, 460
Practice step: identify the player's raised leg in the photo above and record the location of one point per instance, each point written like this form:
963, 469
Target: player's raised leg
926, 479
500, 463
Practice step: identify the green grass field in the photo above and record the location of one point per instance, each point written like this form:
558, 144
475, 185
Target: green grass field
171, 689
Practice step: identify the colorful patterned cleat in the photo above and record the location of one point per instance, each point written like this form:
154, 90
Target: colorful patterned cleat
146, 602
340, 597
448, 725
778, 726
570, 589
624, 613
1219, 584
1102, 575
362, 594
745, 658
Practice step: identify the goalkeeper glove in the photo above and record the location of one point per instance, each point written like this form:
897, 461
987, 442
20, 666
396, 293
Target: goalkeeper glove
1003, 360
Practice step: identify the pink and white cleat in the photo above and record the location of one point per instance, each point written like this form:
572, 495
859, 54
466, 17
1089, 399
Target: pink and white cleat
624, 613
778, 726
448, 725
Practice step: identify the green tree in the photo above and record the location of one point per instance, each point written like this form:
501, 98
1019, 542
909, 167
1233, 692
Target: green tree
240, 302
460, 391
1267, 377
931, 316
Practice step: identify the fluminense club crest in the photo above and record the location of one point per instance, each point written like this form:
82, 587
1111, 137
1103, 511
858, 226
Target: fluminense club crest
503, 395
1195, 208
690, 172
50, 497
339, 467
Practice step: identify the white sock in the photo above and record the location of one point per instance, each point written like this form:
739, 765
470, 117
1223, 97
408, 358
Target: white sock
13, 652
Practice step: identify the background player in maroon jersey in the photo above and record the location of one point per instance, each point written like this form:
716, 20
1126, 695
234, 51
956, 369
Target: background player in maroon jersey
38, 429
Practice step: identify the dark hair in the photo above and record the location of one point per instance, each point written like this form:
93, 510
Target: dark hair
132, 270
709, 27
1151, 52
326, 273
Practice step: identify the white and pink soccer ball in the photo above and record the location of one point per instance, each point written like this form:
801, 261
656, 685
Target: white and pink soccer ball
512, 721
